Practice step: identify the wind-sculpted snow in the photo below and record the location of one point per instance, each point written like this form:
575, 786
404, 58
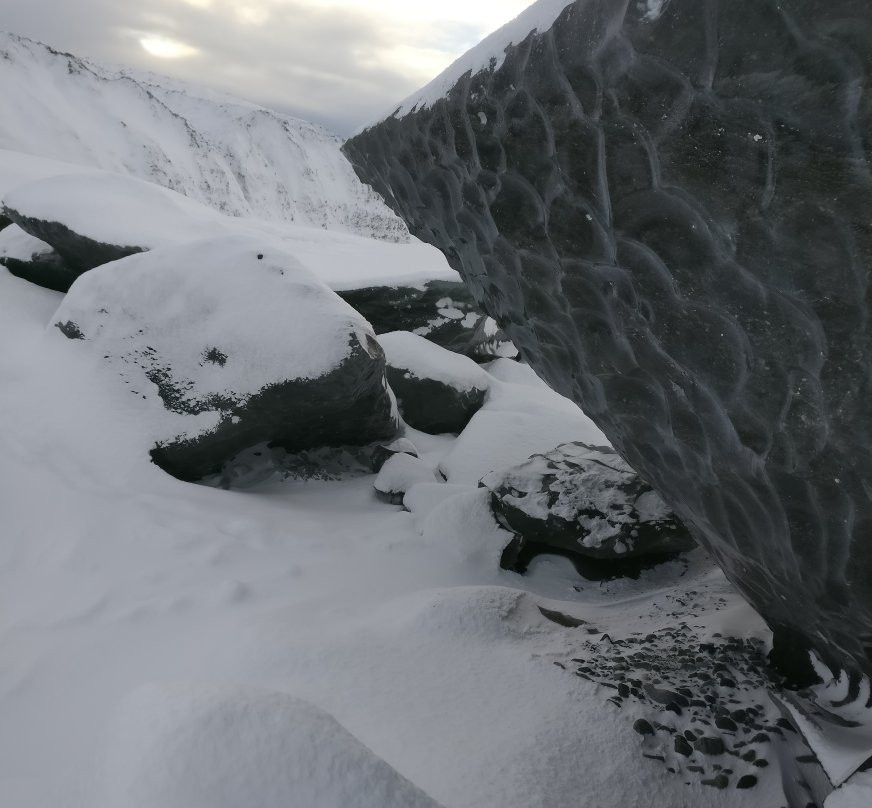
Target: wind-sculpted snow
666, 207
236, 157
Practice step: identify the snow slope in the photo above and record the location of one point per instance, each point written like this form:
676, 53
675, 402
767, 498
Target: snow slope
117, 580
236, 157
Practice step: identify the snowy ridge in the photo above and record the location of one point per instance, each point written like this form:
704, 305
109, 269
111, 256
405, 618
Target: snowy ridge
540, 16
236, 157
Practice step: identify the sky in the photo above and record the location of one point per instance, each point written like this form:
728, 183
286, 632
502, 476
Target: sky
340, 63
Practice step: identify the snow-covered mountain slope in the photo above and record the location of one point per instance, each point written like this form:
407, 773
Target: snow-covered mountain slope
234, 156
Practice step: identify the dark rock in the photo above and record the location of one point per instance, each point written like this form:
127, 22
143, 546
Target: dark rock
643, 727
709, 745
667, 211
443, 312
682, 747
48, 270
437, 391
720, 781
5, 221
307, 372
586, 501
747, 781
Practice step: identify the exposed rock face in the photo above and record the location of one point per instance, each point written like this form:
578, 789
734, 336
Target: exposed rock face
236, 347
666, 206
584, 501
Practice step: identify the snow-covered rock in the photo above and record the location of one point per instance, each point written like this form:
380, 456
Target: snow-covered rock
399, 474
241, 343
583, 500
200, 746
92, 217
437, 390
236, 157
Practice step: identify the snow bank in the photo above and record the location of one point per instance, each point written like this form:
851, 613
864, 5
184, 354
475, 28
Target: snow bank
195, 746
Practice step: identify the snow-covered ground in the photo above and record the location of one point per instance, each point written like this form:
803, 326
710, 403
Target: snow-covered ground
128, 598
170, 645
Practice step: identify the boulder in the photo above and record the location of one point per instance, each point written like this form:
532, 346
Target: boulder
33, 260
442, 311
665, 205
240, 344
583, 500
437, 391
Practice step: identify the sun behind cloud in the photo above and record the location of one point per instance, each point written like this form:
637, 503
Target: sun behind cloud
165, 48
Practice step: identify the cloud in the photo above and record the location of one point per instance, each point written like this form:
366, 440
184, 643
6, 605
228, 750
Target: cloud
340, 63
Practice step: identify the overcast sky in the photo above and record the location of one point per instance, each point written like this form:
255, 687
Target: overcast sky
341, 63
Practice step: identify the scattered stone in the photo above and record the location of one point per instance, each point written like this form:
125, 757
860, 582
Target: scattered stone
643, 727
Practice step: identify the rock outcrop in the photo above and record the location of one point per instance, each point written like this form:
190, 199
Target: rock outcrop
666, 207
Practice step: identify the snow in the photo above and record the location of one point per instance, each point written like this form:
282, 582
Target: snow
539, 16
516, 421
401, 472
299, 642
125, 211
266, 318
233, 156
15, 243
149, 626
857, 793
200, 746
426, 360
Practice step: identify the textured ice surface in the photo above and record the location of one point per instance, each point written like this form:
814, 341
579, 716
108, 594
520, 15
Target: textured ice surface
666, 208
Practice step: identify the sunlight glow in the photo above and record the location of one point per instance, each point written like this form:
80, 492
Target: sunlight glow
165, 48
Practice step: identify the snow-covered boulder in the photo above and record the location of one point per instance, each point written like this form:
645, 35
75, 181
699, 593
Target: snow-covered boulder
583, 500
92, 219
241, 343
437, 390
443, 311
399, 474
34, 260
201, 746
